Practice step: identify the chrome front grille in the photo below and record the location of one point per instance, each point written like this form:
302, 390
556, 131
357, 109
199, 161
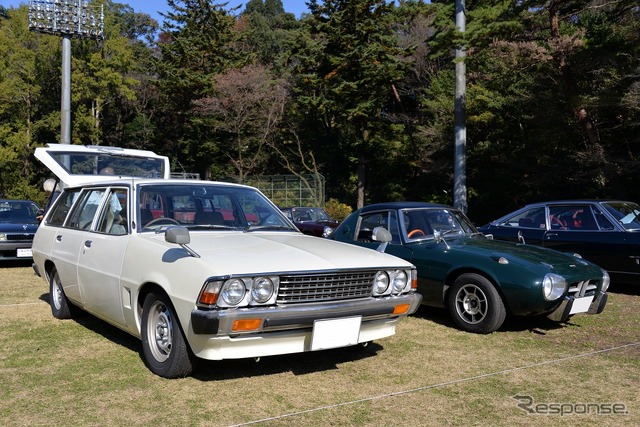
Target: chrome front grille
580, 289
325, 286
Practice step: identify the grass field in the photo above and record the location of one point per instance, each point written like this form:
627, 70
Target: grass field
85, 372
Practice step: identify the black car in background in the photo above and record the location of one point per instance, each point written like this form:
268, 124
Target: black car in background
311, 221
18, 225
606, 232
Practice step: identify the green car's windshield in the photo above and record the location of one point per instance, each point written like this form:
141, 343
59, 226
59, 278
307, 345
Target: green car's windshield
420, 224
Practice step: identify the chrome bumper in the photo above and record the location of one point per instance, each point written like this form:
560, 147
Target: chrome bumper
562, 312
298, 316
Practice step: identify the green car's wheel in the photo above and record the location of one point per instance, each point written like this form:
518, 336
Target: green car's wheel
163, 344
475, 304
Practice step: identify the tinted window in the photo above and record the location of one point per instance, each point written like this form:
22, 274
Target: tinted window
530, 218
62, 207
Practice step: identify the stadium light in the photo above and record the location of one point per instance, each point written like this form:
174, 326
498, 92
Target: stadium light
67, 19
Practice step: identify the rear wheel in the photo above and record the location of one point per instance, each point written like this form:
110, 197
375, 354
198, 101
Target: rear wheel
61, 308
475, 304
163, 344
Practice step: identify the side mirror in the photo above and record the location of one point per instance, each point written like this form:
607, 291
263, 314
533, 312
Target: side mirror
180, 236
382, 235
177, 235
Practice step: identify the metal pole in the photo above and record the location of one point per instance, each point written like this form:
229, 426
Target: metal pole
65, 105
460, 109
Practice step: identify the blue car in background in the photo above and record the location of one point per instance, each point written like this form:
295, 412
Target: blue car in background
18, 225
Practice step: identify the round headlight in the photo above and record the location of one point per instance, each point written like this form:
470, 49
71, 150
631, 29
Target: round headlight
554, 286
262, 289
233, 291
380, 283
606, 281
399, 281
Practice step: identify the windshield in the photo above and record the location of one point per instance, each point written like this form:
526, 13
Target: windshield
18, 211
626, 213
310, 214
419, 224
208, 206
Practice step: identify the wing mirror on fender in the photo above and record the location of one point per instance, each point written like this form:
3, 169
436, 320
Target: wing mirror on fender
382, 235
180, 236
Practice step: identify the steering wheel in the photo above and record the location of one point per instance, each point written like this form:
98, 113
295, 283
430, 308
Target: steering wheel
416, 231
160, 220
262, 221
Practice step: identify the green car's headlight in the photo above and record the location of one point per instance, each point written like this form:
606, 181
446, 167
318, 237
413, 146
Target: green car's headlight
553, 286
606, 281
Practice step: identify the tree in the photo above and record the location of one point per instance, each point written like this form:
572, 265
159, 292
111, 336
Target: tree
247, 107
353, 61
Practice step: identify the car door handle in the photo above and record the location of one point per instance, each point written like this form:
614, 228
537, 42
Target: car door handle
548, 235
59, 237
87, 243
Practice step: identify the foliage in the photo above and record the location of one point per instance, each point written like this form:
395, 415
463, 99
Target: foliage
359, 91
338, 211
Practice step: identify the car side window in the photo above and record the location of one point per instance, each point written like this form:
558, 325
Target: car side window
82, 217
370, 221
530, 218
61, 208
113, 217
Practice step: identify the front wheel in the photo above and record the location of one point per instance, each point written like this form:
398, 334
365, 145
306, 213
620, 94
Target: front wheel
475, 304
163, 344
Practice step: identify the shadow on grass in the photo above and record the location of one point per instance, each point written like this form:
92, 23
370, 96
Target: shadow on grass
534, 324
207, 370
17, 263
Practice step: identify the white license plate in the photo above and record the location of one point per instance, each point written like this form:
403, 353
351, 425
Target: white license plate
580, 305
335, 333
23, 253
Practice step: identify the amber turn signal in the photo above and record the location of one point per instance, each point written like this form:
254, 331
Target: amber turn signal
401, 309
246, 325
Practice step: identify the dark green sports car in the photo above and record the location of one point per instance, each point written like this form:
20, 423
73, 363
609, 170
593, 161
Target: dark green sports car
479, 279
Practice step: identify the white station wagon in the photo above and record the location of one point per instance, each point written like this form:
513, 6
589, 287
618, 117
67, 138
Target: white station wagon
202, 269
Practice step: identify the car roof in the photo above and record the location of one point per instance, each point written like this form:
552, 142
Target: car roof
402, 205
576, 201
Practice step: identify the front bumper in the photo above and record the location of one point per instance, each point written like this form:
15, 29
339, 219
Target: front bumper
298, 316
564, 310
290, 329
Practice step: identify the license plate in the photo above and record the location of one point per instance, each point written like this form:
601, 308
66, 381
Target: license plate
580, 305
23, 253
335, 333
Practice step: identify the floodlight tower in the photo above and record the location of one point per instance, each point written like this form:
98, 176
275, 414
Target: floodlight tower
67, 19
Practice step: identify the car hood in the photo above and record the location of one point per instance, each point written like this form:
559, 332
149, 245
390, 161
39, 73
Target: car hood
279, 252
18, 226
519, 253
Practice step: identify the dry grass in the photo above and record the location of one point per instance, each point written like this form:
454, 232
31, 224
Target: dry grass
85, 372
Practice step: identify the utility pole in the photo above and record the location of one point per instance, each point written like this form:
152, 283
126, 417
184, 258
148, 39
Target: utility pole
67, 19
460, 112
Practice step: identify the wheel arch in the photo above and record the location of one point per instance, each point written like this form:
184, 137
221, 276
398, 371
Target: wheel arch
454, 274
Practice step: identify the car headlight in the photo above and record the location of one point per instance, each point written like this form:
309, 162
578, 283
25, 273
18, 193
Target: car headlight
233, 292
399, 282
553, 286
606, 281
3, 237
380, 283
327, 231
262, 290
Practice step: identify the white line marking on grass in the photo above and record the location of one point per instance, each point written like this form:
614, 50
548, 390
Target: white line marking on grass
21, 304
443, 384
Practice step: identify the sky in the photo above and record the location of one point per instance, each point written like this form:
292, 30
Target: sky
152, 7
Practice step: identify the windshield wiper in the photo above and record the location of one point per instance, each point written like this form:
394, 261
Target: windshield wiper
211, 226
268, 227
